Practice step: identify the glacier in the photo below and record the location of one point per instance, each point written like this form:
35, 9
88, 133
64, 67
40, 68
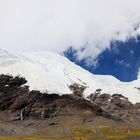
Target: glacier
53, 73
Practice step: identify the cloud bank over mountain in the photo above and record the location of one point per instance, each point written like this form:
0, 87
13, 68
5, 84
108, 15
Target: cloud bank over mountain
55, 25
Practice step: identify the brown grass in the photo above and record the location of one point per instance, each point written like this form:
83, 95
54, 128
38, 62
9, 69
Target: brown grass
78, 133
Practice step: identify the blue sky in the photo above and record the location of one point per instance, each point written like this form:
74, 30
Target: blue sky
122, 60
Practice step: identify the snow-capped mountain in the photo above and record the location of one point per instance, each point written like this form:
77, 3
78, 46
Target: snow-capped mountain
51, 72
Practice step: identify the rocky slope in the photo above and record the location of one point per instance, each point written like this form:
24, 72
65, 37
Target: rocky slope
33, 115
20, 103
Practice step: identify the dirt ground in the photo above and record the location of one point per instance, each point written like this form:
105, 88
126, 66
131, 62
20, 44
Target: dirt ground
78, 127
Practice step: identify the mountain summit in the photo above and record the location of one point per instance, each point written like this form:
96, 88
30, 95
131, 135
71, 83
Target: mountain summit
47, 71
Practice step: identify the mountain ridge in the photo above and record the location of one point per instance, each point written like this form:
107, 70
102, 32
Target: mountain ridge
47, 71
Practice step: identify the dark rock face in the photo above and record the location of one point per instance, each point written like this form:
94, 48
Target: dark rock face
6, 80
137, 105
16, 99
77, 89
116, 106
92, 97
22, 103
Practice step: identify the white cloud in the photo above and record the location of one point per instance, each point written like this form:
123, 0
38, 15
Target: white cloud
57, 24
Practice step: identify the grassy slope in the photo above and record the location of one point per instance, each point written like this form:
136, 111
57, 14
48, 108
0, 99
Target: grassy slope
86, 134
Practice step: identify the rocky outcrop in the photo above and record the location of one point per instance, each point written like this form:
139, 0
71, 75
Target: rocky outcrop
77, 89
20, 103
137, 105
7, 80
16, 98
116, 106
92, 97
